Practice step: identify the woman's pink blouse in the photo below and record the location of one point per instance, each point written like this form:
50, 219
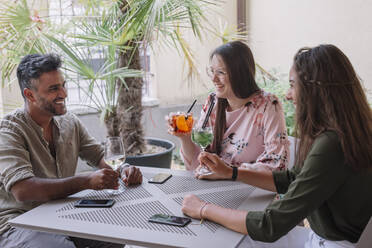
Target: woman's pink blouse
255, 136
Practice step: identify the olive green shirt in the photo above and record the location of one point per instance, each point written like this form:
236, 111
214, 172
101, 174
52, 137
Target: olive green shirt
336, 200
24, 153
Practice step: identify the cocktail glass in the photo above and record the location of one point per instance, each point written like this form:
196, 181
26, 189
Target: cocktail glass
181, 122
202, 137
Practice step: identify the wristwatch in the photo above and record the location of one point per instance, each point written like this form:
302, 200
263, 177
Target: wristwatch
234, 173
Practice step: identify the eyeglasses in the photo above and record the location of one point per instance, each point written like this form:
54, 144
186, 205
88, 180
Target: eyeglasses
219, 73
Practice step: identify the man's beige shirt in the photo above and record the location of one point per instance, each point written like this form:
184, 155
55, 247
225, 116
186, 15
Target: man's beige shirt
24, 153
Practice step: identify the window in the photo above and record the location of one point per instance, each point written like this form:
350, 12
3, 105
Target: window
62, 13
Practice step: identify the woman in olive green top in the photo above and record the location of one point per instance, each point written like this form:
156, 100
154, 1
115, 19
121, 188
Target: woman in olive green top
331, 184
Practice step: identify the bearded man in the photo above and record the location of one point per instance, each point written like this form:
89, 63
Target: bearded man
39, 149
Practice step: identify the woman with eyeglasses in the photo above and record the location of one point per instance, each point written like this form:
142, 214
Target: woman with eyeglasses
331, 182
248, 124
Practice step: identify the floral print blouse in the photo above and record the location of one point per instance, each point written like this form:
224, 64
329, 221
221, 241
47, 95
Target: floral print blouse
255, 136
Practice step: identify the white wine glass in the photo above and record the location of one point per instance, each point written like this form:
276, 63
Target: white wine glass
115, 157
203, 137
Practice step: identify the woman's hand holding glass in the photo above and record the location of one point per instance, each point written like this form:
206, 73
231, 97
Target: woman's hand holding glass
179, 124
182, 125
219, 169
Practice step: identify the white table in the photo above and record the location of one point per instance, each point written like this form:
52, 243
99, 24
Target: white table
126, 222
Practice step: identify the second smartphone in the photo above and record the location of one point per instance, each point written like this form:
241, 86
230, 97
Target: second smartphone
160, 178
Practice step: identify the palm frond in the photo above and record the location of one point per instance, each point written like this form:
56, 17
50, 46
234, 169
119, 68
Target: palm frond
20, 34
229, 33
164, 21
102, 88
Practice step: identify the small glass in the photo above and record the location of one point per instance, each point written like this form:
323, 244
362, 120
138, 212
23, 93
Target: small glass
181, 122
203, 137
114, 157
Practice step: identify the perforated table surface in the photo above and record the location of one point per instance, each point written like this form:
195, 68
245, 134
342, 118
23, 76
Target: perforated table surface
127, 221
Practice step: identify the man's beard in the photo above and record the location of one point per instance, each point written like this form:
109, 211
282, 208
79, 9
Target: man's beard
49, 107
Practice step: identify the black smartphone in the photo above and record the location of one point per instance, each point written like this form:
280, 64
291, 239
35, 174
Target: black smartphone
170, 220
94, 203
160, 178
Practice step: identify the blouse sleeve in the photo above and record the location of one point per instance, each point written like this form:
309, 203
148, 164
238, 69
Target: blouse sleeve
276, 153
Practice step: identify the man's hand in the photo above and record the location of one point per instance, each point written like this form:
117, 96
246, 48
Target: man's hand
131, 175
103, 179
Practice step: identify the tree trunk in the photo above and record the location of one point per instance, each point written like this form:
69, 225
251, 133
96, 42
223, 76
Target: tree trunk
130, 109
112, 123
125, 121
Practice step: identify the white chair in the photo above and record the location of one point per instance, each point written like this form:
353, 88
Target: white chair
292, 151
365, 240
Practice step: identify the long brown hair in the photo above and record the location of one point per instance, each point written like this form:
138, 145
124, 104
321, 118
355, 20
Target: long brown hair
241, 70
329, 96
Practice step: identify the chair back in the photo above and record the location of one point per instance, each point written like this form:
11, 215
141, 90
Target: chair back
365, 240
292, 152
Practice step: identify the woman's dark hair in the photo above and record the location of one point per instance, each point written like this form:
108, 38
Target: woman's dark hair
241, 71
330, 97
33, 65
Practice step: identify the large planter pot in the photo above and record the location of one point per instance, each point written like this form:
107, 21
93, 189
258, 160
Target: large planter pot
160, 160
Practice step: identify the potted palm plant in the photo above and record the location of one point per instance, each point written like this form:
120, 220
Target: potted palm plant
120, 29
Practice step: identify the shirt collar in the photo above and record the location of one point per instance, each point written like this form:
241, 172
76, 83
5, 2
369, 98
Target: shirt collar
36, 126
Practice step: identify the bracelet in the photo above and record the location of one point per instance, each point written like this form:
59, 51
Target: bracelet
234, 173
201, 212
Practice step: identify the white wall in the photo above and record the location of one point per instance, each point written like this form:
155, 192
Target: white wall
1, 102
10, 98
278, 29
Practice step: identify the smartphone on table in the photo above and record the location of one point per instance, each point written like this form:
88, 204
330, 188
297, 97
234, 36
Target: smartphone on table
170, 220
94, 203
160, 178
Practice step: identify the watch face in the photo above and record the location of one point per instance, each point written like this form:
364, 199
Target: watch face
235, 173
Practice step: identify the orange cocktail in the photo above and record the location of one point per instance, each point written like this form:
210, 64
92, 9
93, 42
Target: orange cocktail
181, 122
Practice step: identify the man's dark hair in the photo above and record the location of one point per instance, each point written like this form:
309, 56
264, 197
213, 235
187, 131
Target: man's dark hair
33, 65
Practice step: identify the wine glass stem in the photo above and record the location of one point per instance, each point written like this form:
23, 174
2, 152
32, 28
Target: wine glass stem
203, 165
120, 188
203, 150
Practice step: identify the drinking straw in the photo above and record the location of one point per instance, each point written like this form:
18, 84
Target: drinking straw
209, 112
192, 105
